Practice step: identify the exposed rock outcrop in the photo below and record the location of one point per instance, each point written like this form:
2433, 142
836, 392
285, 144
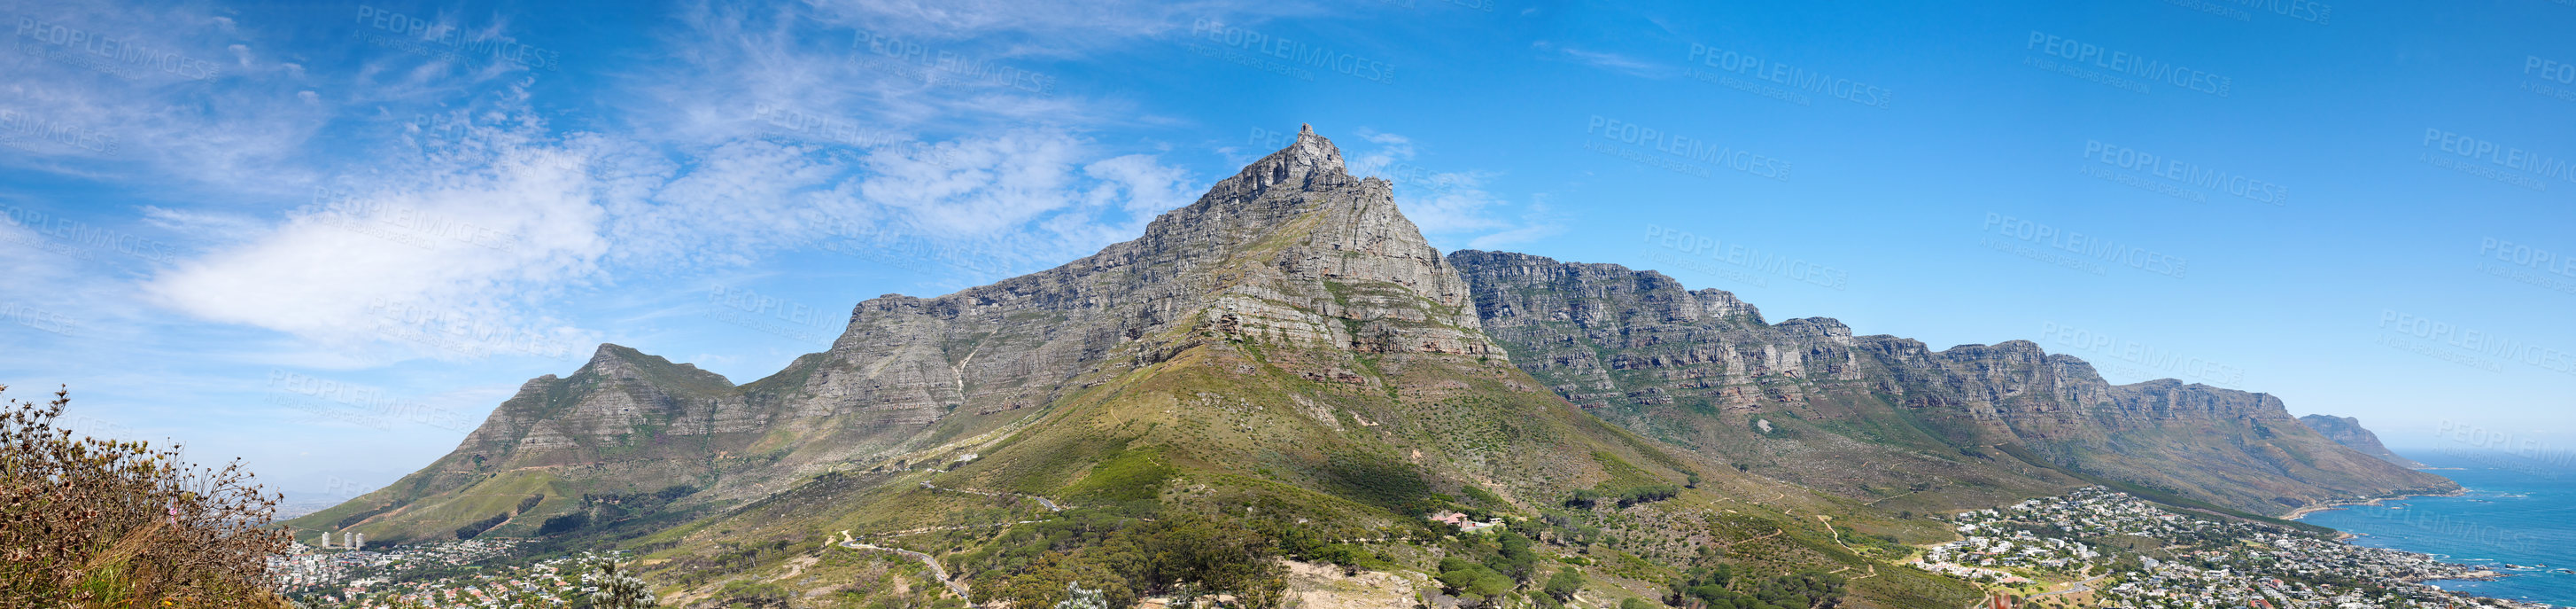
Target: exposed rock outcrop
2349, 432
1692, 366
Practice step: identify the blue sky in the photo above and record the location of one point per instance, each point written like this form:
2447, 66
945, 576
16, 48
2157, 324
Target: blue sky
328, 238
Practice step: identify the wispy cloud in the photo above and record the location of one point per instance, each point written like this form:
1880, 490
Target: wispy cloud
1603, 59
1446, 205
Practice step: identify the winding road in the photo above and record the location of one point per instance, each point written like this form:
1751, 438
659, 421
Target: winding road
935, 569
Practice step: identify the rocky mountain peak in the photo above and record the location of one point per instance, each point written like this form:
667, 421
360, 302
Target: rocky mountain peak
2349, 432
1310, 163
615, 361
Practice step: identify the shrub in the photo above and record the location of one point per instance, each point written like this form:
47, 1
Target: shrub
89, 522
563, 523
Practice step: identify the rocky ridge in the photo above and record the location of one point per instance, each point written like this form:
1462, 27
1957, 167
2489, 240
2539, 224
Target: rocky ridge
2349, 432
1699, 367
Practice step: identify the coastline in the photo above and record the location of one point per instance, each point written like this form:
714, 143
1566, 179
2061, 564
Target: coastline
2304, 511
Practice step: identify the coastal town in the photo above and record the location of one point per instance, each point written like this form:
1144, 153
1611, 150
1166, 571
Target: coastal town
462, 573
2101, 548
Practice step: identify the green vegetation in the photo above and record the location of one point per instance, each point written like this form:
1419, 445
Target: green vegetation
1588, 498
478, 527
1720, 586
1126, 475
1183, 555
1476, 583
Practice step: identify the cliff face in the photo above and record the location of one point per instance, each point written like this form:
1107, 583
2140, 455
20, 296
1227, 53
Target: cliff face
1290, 269
2349, 432
1877, 417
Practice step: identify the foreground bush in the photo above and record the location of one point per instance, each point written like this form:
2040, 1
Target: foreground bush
93, 523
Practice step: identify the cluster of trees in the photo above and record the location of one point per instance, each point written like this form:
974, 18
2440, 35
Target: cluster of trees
608, 508
1483, 572
1587, 498
1720, 587
1186, 556
470, 530
86, 522
474, 528
1305, 544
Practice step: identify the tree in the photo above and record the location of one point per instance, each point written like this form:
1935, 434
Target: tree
612, 587
1564, 584
1472, 581
88, 522
1075, 597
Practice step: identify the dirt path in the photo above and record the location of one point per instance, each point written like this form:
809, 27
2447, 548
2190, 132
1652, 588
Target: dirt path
2078, 587
1050, 504
935, 569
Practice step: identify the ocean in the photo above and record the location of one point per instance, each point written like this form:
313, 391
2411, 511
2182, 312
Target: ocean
2516, 511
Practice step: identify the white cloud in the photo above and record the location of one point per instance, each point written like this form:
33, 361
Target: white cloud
1444, 204
1604, 60
468, 248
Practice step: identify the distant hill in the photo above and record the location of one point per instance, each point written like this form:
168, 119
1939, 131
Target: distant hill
1886, 419
2349, 432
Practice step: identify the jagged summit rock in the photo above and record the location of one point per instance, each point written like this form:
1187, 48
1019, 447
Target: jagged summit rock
1310, 163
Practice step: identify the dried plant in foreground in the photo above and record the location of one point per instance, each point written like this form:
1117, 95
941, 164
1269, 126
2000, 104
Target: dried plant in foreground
98, 523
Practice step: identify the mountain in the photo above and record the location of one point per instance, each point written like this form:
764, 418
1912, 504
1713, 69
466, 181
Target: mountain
2349, 432
1285, 357
1888, 420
